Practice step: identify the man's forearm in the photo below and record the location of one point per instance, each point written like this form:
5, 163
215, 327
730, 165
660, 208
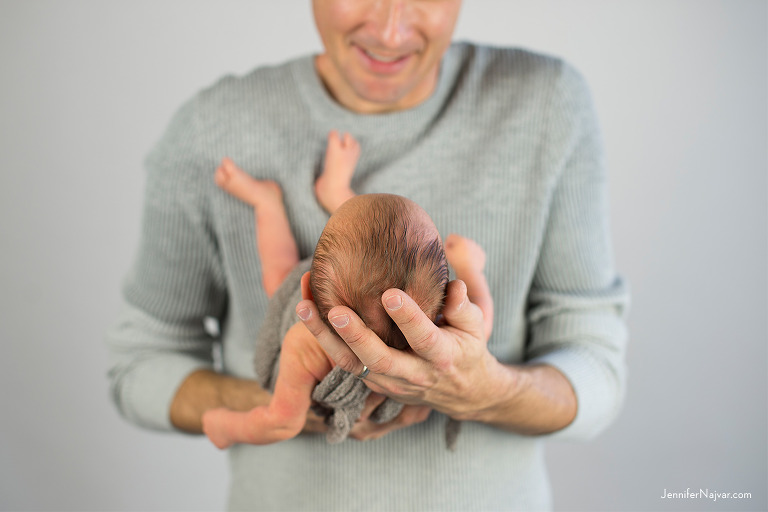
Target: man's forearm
531, 400
205, 389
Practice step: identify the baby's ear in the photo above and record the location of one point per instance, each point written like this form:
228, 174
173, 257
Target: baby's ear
306, 291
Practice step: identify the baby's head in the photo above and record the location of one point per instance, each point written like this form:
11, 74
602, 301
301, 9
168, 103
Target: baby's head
374, 242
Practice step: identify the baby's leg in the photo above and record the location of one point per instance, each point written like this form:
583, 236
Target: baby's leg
468, 260
274, 240
303, 364
332, 187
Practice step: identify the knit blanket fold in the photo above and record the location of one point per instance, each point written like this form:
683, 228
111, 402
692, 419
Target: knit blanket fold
340, 396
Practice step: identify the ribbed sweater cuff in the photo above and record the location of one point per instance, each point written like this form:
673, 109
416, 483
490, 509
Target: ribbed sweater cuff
152, 387
596, 407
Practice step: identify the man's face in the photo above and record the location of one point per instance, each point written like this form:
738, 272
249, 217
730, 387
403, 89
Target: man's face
383, 55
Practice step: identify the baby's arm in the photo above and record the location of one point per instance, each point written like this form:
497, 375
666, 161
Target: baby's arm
333, 186
303, 364
277, 248
468, 260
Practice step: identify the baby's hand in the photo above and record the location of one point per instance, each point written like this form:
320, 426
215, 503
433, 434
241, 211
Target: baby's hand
468, 260
215, 426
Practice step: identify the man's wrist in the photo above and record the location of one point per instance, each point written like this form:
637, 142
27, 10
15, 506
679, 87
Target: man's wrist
500, 391
527, 399
242, 394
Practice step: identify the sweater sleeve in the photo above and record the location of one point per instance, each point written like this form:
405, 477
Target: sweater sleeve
577, 301
175, 282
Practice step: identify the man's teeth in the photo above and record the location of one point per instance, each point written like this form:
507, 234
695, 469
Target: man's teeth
382, 58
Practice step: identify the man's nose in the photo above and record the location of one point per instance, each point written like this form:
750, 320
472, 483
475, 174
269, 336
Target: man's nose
391, 18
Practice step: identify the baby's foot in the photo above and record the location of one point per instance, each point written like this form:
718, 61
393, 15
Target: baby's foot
258, 193
465, 256
333, 186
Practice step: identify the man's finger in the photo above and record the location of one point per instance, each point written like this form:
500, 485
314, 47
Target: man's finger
334, 346
410, 415
460, 313
372, 401
368, 347
422, 334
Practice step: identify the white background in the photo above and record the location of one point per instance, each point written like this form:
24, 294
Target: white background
86, 87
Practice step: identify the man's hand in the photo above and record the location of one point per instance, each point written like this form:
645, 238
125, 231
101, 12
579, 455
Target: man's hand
365, 429
447, 368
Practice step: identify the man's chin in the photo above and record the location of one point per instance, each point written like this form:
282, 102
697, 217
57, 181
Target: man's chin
385, 98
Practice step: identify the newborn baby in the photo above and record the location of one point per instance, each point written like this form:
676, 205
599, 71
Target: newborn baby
371, 243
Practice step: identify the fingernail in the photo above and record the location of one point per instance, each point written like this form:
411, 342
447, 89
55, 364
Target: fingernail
304, 313
393, 302
340, 321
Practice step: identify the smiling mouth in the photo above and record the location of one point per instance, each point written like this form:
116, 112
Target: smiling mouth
383, 58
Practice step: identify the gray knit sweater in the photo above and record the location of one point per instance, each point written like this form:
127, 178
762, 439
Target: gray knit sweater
506, 151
